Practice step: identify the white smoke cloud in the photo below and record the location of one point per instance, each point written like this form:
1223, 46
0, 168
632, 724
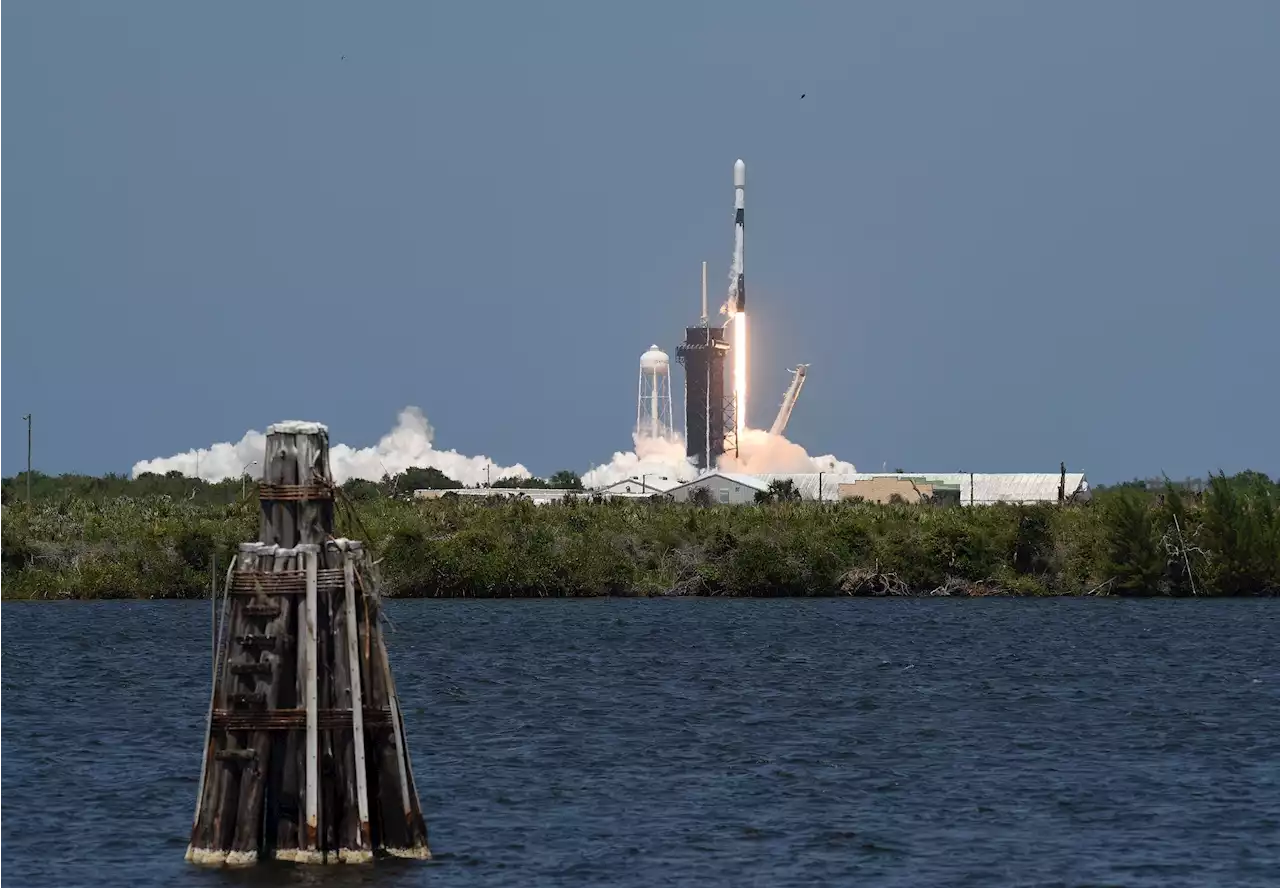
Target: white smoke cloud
655, 457
411, 444
407, 445
760, 452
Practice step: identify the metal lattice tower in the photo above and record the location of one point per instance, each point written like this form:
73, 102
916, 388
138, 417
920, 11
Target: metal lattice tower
653, 401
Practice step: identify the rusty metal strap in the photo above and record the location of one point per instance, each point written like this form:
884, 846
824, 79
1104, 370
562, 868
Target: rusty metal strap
294, 493
284, 582
294, 719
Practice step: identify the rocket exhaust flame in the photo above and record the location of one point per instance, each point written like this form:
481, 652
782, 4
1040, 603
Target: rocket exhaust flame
740, 372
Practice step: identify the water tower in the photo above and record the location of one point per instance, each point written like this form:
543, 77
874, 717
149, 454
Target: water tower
653, 405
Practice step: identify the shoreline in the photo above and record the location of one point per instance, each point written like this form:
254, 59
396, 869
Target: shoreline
817, 596
1224, 542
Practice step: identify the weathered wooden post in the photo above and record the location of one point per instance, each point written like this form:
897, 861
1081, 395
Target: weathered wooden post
305, 757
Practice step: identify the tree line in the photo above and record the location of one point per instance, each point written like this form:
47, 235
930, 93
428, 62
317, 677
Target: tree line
159, 540
176, 485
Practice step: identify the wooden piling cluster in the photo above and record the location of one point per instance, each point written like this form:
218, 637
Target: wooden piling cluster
305, 754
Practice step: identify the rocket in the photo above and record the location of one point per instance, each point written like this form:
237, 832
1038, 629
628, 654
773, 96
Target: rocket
738, 301
739, 234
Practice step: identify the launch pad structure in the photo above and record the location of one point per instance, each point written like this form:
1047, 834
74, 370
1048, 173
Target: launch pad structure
703, 355
707, 413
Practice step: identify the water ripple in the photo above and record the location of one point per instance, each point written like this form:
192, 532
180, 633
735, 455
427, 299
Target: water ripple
640, 743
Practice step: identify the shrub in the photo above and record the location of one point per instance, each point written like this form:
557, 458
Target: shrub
1134, 559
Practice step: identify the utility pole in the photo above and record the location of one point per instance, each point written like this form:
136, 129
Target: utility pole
28, 419
244, 474
487, 485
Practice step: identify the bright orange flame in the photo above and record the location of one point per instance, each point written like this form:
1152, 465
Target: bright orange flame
740, 372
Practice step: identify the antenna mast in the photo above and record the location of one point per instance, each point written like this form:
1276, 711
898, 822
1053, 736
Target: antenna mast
704, 294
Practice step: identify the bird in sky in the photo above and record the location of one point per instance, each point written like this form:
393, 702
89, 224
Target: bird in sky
802, 95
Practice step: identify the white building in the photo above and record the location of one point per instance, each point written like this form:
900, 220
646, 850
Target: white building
536, 495
968, 489
973, 488
639, 486
725, 487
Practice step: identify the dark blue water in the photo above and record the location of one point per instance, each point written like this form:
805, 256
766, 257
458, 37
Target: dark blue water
695, 742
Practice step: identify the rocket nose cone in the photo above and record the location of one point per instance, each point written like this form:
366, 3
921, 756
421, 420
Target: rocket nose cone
739, 174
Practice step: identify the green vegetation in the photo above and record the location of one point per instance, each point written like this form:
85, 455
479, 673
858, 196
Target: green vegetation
561, 480
158, 537
783, 490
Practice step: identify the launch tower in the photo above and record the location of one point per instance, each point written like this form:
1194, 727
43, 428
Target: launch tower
703, 355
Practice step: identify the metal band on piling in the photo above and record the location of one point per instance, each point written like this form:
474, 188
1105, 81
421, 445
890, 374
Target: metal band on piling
294, 493
285, 582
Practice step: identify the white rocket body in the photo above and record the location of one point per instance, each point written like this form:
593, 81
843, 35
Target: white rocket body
739, 286
738, 299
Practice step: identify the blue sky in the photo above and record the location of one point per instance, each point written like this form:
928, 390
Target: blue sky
1003, 234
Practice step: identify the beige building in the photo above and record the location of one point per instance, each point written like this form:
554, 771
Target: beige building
883, 490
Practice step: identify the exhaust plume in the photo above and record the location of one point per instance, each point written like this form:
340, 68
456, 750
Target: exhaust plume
408, 445
761, 453
411, 444
656, 457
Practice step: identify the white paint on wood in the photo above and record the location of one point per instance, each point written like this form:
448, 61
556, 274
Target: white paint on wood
242, 858
299, 855
357, 696
207, 856
311, 554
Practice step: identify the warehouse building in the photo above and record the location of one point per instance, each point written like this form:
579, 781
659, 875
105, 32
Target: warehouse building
539, 496
957, 488
725, 487
638, 487
966, 488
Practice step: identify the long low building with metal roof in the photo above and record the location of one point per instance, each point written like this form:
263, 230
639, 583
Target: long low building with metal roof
970, 488
963, 488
